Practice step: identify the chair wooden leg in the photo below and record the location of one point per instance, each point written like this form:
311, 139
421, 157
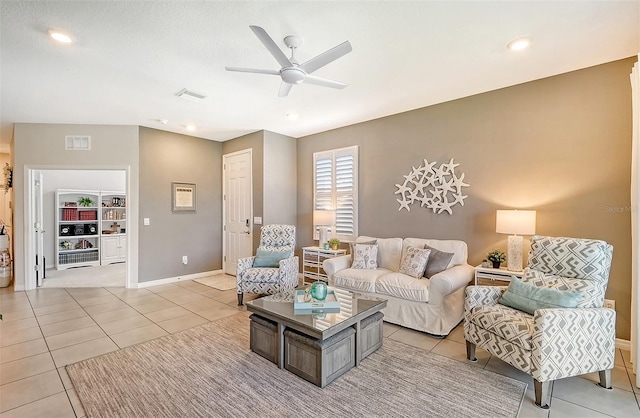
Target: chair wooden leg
471, 352
542, 393
605, 378
240, 299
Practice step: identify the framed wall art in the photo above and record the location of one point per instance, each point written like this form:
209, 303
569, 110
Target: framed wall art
183, 196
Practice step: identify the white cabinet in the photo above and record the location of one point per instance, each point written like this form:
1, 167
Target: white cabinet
114, 227
113, 249
313, 257
83, 219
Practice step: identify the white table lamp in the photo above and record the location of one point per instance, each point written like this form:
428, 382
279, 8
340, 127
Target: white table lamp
516, 223
323, 219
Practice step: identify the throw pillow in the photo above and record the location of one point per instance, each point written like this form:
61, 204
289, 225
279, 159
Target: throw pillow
270, 258
527, 297
438, 261
365, 257
414, 262
352, 246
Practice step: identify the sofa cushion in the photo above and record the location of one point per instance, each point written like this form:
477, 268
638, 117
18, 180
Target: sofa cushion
358, 279
389, 251
458, 248
365, 257
510, 324
414, 262
403, 287
438, 261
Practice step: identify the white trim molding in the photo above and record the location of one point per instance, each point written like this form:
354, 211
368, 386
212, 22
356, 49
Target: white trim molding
623, 344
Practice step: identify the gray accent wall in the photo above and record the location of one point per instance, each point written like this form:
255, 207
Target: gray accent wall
255, 142
560, 146
166, 157
280, 179
274, 169
42, 146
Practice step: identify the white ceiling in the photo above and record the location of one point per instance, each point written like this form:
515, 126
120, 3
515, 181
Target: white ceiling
130, 58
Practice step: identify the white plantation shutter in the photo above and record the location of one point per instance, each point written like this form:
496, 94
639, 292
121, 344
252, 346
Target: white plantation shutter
335, 180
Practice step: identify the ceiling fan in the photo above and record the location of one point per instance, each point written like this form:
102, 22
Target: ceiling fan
292, 72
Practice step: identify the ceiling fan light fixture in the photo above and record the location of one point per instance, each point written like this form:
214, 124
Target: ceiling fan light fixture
190, 128
293, 75
519, 44
59, 36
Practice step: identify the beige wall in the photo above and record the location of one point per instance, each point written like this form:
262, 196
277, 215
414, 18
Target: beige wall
41, 146
167, 157
559, 145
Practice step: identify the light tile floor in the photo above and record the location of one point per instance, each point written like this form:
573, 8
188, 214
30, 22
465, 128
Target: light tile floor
46, 329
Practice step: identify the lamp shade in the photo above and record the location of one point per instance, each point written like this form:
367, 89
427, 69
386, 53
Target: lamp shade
324, 217
522, 222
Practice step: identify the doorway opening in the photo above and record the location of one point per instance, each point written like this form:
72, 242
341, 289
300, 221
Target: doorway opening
81, 236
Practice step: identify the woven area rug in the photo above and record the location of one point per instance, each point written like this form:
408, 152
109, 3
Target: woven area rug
209, 371
220, 282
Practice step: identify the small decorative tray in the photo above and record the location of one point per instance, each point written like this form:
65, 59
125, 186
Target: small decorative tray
331, 302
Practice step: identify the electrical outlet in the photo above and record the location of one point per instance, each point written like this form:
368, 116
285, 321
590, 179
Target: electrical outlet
610, 303
185, 259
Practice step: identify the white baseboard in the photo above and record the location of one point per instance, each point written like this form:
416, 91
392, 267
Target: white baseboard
623, 344
178, 278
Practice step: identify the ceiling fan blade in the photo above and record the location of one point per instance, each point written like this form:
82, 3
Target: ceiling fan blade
285, 88
252, 70
271, 46
326, 57
325, 82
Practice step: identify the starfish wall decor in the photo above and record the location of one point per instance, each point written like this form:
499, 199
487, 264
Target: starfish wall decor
437, 188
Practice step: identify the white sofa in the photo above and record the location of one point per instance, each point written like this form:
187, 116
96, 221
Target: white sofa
434, 305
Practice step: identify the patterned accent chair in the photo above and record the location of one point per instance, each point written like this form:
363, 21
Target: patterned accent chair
552, 343
270, 280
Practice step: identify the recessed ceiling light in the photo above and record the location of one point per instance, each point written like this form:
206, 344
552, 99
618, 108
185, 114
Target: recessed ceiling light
292, 116
190, 128
60, 36
162, 121
519, 44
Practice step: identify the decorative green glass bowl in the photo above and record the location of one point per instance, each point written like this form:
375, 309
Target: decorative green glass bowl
318, 290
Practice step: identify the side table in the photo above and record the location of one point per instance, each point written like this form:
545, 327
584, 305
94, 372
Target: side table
487, 276
312, 258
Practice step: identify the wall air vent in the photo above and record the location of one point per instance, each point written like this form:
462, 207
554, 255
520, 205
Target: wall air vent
191, 96
77, 143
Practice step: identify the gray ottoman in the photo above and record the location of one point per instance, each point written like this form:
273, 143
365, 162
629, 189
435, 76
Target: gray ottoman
370, 334
262, 338
319, 362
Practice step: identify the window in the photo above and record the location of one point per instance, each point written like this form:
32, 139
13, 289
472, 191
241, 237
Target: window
335, 186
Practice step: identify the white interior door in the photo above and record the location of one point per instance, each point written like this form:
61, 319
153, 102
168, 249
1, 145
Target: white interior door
237, 209
38, 226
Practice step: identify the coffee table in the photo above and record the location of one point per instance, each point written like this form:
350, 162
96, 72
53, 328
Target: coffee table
317, 346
